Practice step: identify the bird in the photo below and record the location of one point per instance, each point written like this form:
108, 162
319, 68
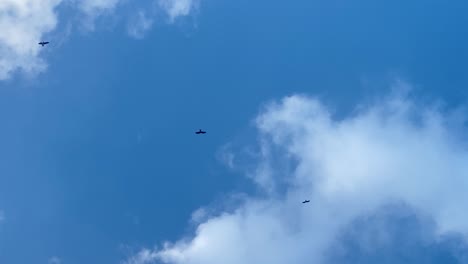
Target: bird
306, 201
200, 132
43, 43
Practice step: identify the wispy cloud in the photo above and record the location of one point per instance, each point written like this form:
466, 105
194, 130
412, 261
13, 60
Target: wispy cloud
178, 8
394, 150
92, 9
54, 260
138, 27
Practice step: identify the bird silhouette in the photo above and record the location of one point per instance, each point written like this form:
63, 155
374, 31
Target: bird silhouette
200, 132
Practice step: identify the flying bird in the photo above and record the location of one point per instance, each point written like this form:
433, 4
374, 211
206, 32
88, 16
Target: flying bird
200, 132
43, 43
306, 201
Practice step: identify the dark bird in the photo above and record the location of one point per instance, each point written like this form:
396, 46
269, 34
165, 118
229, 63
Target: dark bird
43, 43
306, 201
200, 132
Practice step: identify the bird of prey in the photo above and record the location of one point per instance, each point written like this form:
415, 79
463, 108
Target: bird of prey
306, 201
43, 43
200, 132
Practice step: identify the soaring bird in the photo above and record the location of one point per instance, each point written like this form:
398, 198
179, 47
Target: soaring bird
43, 43
306, 201
200, 132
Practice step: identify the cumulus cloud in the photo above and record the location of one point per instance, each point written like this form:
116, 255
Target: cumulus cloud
392, 151
140, 25
178, 8
397, 234
23, 23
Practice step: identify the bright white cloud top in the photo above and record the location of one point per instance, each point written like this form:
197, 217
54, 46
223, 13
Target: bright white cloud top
392, 151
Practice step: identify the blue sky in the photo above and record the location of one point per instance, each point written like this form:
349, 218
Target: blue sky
99, 162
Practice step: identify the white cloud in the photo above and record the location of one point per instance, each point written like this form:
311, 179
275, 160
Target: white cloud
23, 23
139, 26
392, 151
178, 8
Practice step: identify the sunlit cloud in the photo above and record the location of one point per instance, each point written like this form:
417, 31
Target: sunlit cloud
393, 151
